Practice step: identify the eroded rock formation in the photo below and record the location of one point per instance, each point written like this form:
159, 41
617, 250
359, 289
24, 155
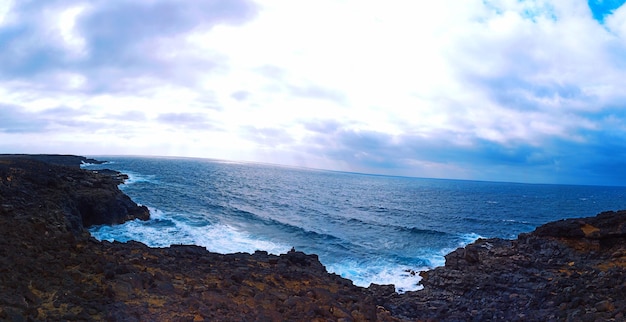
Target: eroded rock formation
569, 270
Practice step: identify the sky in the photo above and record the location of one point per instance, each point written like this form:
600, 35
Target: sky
509, 90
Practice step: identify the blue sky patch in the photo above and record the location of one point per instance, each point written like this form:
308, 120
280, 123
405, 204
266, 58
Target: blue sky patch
601, 8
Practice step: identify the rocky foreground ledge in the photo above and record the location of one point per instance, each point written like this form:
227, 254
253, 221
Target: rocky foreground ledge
52, 269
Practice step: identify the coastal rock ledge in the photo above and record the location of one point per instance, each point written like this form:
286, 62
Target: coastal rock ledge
52, 269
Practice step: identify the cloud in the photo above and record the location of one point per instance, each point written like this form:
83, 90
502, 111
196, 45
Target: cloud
282, 78
111, 46
186, 121
491, 90
56, 121
132, 116
317, 92
13, 120
241, 95
555, 160
269, 137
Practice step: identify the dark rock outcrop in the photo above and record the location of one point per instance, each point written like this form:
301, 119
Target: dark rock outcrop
86, 198
569, 270
57, 159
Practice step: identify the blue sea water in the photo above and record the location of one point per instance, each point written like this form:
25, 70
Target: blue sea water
370, 229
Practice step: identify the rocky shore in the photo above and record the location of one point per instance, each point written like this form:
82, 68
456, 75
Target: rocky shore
569, 270
52, 269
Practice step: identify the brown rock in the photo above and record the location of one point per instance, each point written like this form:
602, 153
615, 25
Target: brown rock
605, 306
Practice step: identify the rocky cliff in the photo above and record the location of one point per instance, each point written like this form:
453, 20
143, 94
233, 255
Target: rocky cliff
51, 269
569, 270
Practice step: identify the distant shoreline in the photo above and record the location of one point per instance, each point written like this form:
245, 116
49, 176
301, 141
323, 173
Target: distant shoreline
57, 159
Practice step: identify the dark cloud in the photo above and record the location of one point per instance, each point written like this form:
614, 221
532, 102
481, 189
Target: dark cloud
123, 35
70, 118
14, 120
269, 137
24, 54
601, 158
240, 95
123, 40
28, 46
115, 25
519, 94
555, 160
323, 126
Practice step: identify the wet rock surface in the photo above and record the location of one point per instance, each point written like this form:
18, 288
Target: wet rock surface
52, 269
569, 270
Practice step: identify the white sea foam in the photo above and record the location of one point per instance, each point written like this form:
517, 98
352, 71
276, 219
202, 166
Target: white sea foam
404, 278
469, 238
163, 230
86, 165
438, 259
134, 177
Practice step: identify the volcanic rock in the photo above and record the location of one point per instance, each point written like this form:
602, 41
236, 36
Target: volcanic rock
568, 270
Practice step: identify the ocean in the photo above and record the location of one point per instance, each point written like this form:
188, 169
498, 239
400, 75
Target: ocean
368, 228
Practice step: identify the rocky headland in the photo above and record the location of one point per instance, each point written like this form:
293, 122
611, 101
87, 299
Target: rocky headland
52, 269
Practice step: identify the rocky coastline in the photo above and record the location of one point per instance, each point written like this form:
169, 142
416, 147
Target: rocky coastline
52, 269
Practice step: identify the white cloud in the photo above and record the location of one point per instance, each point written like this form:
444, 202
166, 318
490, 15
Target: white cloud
617, 22
5, 8
246, 81
420, 63
71, 37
